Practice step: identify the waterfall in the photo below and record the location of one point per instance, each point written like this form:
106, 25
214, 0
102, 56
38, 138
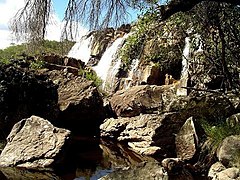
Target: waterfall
82, 49
185, 62
109, 64
132, 72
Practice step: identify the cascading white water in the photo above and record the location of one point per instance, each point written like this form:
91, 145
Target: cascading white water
109, 64
184, 73
82, 49
132, 72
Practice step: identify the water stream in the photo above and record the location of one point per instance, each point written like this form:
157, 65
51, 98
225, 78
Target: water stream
185, 66
82, 49
133, 71
109, 63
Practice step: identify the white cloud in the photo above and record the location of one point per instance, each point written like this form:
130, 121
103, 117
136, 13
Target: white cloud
8, 9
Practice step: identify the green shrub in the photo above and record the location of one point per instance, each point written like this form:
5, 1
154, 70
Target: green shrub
217, 133
37, 64
90, 75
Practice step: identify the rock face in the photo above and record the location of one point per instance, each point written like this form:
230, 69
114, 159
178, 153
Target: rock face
229, 152
160, 99
147, 133
22, 94
141, 99
149, 116
80, 104
33, 143
186, 140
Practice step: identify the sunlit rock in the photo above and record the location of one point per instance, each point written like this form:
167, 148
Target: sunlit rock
33, 143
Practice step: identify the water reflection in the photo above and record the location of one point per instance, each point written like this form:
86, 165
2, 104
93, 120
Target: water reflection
86, 158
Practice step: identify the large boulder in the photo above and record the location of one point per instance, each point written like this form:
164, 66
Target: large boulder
23, 93
141, 99
229, 151
80, 103
147, 133
34, 143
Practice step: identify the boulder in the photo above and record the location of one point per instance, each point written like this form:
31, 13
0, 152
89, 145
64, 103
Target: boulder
229, 174
215, 169
147, 133
229, 151
220, 172
23, 93
34, 143
141, 99
80, 103
187, 140
177, 169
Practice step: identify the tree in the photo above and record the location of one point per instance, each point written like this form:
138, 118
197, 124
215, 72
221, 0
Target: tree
30, 22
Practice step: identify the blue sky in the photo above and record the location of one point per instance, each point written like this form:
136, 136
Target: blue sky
8, 8
59, 7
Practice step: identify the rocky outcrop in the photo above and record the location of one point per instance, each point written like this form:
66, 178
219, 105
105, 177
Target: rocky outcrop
149, 116
22, 94
147, 133
62, 60
229, 151
80, 103
103, 38
160, 99
34, 143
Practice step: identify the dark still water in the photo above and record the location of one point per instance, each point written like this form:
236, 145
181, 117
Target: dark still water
87, 159
90, 159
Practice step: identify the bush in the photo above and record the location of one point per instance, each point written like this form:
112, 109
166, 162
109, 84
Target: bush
217, 133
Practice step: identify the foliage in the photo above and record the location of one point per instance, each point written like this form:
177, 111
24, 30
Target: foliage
37, 64
219, 27
152, 40
90, 75
16, 51
217, 133
11, 52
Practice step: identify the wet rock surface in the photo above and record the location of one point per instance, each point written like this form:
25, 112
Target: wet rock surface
34, 143
151, 99
139, 172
